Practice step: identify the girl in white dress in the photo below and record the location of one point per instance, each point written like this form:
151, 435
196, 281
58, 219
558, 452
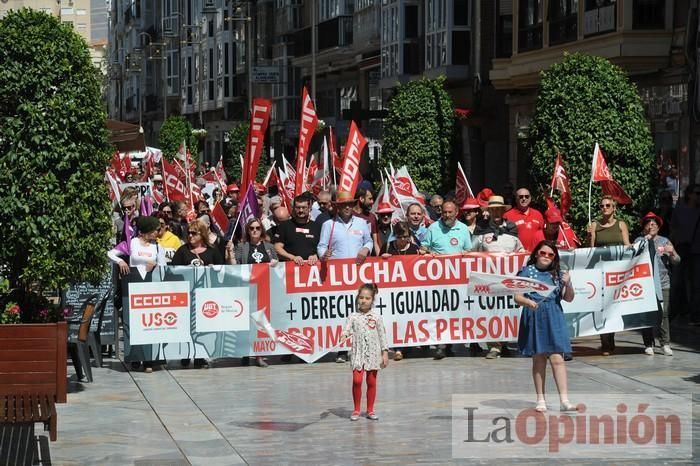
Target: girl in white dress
369, 350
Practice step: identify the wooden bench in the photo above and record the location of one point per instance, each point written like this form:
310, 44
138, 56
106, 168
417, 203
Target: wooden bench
32, 373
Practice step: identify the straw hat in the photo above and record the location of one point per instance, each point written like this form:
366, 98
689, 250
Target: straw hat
496, 201
344, 197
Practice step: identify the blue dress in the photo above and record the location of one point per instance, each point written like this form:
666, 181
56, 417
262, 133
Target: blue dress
544, 329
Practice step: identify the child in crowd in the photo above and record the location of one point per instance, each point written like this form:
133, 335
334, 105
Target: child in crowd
369, 348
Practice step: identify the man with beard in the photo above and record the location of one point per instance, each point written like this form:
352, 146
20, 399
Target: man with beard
363, 209
297, 238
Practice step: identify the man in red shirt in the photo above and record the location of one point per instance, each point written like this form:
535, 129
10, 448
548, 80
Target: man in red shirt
529, 221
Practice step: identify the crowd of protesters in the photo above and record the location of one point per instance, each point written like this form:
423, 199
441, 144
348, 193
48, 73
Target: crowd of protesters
325, 226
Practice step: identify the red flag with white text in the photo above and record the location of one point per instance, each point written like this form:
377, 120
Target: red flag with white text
259, 119
307, 128
175, 189
350, 174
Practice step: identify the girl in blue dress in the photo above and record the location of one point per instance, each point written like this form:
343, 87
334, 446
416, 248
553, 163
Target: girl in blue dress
543, 333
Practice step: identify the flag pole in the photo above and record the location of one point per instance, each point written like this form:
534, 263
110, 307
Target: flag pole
469, 188
590, 182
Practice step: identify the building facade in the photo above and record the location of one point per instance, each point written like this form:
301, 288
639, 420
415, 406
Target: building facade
647, 38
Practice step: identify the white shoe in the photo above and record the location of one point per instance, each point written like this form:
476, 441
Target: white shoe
667, 350
649, 351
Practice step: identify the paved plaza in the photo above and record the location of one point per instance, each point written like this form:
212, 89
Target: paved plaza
298, 413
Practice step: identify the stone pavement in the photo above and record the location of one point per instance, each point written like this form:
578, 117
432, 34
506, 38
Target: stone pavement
298, 413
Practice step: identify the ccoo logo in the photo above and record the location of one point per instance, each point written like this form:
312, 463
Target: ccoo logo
210, 309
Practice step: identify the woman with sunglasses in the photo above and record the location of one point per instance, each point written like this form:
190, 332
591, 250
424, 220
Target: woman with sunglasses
543, 333
197, 252
255, 250
608, 231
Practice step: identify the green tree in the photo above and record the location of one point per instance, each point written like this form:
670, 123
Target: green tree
418, 133
235, 147
54, 207
583, 100
175, 130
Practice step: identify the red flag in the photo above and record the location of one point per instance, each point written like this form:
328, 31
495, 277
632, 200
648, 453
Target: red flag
601, 173
350, 175
560, 182
121, 165
462, 188
220, 172
282, 190
260, 117
175, 189
337, 161
158, 196
309, 121
219, 217
113, 184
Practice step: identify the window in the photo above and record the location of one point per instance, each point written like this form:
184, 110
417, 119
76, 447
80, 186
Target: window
530, 25
66, 11
411, 22
504, 29
648, 14
563, 18
460, 12
600, 16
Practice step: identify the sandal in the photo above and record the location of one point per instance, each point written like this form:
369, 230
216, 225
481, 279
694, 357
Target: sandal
568, 407
541, 406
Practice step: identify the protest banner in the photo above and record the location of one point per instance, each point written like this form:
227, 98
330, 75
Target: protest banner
423, 300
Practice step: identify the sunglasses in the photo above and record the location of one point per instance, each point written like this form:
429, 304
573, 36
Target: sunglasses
192, 233
605, 206
548, 255
255, 228
167, 211
523, 196
128, 207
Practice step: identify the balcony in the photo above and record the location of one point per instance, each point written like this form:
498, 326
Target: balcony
336, 32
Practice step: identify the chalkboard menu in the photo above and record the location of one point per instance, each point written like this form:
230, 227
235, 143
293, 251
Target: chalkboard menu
76, 295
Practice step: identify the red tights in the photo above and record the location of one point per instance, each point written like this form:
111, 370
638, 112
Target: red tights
357, 389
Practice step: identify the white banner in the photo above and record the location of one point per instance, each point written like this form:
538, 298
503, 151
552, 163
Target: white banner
159, 314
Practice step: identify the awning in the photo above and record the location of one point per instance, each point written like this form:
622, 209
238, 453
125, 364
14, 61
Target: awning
126, 137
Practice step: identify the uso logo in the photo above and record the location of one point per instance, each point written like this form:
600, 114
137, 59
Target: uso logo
210, 309
158, 319
519, 284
